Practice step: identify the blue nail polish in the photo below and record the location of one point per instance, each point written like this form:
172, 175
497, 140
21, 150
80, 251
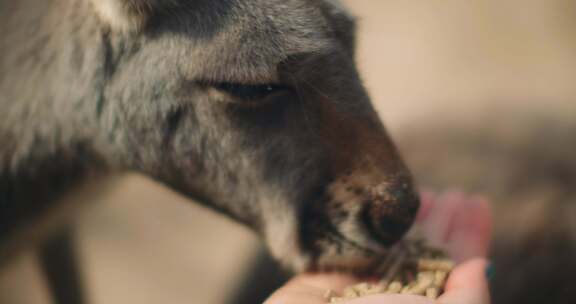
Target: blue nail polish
490, 272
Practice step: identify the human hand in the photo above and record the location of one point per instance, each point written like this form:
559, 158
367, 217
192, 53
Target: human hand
452, 221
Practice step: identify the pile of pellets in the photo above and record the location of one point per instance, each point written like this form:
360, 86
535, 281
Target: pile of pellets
413, 269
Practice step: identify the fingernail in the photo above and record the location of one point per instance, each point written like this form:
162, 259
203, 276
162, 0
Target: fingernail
490, 272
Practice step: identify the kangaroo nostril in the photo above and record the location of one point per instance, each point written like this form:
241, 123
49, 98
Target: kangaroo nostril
388, 220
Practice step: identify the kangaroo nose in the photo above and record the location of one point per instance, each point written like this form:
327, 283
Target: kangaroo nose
389, 211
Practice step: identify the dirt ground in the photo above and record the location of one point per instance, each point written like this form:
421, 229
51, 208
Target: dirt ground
421, 61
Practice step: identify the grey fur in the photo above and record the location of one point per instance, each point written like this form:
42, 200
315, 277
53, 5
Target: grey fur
80, 95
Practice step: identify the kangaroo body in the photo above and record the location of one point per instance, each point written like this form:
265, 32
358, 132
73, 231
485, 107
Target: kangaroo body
251, 107
254, 108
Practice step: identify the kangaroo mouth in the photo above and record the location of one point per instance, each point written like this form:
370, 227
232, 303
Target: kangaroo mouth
329, 247
349, 226
334, 233
334, 251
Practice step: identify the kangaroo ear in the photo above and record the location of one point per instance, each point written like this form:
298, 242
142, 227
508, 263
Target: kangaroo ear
125, 15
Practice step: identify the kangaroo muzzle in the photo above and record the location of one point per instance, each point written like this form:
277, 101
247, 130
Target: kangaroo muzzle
373, 212
389, 211
361, 215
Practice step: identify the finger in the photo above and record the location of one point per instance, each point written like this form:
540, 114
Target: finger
438, 221
310, 288
470, 231
297, 297
467, 284
324, 281
391, 299
427, 201
293, 293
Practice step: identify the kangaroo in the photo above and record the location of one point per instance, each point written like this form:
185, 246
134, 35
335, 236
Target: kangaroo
251, 107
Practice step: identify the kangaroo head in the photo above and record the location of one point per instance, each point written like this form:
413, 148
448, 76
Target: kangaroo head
255, 108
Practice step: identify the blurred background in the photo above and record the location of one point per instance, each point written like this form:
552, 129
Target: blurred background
441, 73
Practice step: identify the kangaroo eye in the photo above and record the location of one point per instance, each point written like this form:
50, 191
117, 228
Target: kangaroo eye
250, 92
